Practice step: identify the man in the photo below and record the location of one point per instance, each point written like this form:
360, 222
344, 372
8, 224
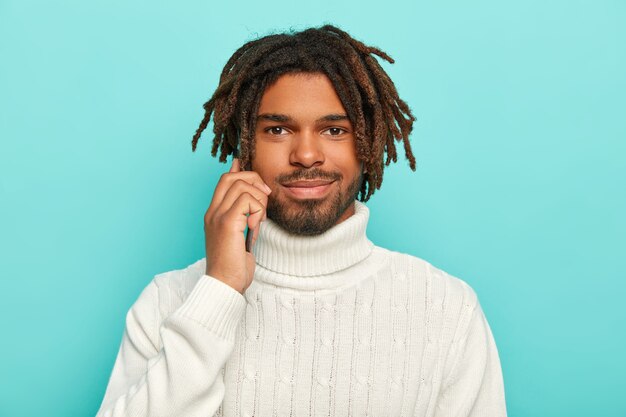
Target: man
316, 319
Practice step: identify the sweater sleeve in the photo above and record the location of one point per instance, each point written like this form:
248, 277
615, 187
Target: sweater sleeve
474, 387
173, 367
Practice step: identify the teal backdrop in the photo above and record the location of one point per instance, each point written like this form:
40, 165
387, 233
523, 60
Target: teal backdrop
519, 191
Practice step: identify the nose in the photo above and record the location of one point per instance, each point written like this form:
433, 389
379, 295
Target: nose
306, 150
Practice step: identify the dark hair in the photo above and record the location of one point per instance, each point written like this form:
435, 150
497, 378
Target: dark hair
366, 91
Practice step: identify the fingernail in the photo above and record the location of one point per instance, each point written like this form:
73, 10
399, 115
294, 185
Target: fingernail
269, 190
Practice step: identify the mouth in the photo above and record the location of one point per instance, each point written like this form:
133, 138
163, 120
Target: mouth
308, 189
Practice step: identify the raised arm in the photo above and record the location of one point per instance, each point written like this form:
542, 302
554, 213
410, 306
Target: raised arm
172, 367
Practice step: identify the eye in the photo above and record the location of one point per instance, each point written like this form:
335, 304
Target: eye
274, 130
336, 131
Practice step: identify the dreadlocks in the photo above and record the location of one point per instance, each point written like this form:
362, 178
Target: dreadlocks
364, 88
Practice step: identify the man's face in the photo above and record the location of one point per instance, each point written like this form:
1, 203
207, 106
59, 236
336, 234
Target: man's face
305, 152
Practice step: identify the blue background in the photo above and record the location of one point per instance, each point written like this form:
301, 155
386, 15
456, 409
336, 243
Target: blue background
519, 191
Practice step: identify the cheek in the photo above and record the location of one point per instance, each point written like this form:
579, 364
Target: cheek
348, 163
267, 167
270, 158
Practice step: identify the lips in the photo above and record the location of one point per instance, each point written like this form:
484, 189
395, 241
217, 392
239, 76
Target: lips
307, 184
310, 189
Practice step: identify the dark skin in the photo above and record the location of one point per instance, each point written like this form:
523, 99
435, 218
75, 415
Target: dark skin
379, 116
305, 162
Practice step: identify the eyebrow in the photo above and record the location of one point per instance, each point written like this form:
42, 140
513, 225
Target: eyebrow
283, 118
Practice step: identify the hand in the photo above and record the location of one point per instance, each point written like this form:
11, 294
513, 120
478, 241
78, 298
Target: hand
239, 200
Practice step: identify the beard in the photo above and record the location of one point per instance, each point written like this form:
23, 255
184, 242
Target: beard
311, 217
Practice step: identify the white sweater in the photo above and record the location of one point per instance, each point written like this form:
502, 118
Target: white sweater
331, 325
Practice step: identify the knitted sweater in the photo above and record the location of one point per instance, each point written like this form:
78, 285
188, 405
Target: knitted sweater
331, 325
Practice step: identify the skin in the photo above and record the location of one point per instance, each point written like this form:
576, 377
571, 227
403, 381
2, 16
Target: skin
295, 140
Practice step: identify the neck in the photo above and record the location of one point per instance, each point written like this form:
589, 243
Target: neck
340, 247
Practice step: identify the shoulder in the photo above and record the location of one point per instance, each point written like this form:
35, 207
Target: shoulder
447, 300
405, 265
163, 294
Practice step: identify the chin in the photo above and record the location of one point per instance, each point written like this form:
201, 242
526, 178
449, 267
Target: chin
307, 217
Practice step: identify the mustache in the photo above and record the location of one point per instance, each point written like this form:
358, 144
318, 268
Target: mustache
308, 174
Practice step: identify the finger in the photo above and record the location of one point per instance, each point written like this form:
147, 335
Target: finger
234, 167
228, 178
237, 188
246, 210
257, 230
254, 221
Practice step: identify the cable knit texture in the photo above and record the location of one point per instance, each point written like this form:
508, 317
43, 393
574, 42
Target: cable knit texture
331, 325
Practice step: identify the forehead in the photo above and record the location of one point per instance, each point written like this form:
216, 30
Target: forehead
301, 95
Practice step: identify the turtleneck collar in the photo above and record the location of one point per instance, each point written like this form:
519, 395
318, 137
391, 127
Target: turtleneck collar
340, 247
